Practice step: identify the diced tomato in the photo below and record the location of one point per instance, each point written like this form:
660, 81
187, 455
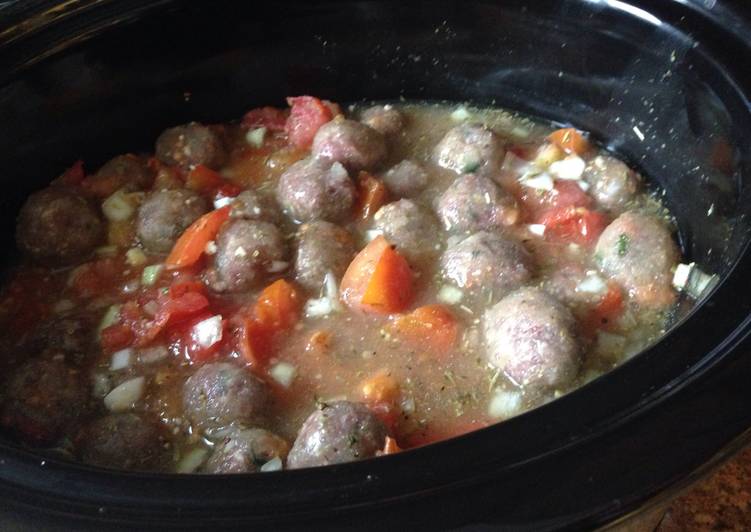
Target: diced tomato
606, 312
187, 305
306, 116
94, 278
184, 284
185, 340
565, 194
380, 388
431, 327
115, 337
391, 446
269, 117
577, 225
569, 140
192, 243
227, 190
255, 342
74, 175
372, 195
203, 179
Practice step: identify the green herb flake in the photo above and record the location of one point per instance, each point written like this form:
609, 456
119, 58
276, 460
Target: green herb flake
622, 244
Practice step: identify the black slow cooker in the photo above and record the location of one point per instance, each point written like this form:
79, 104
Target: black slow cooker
663, 84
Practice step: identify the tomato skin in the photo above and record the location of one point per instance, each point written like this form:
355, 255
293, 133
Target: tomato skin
372, 195
574, 225
606, 312
115, 337
306, 116
271, 118
565, 194
183, 339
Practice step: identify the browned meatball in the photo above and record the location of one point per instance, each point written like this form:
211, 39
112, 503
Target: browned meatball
73, 335
246, 251
57, 226
475, 203
189, 145
316, 189
411, 228
407, 178
486, 266
125, 441
164, 215
221, 393
351, 143
638, 252
383, 118
129, 171
245, 451
470, 148
251, 205
613, 184
322, 248
43, 398
530, 336
336, 433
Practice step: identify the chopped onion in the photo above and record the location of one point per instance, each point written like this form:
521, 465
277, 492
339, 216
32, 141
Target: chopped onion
583, 185
123, 397
460, 114
372, 234
592, 284
223, 201
283, 373
192, 460
277, 266
505, 404
151, 274
327, 303
520, 132
275, 464
572, 168
209, 331
150, 355
109, 318
516, 165
118, 207
135, 257
450, 294
408, 405
121, 359
101, 385
610, 345
690, 279
210, 248
255, 137
536, 229
539, 182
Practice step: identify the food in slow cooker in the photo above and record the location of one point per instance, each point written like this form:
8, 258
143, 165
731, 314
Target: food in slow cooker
311, 286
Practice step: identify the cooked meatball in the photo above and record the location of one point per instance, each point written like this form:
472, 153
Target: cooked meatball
411, 228
316, 189
322, 247
351, 143
125, 441
190, 145
475, 203
251, 205
407, 178
246, 250
129, 171
530, 336
563, 283
613, 184
57, 226
470, 148
43, 398
165, 214
245, 451
339, 432
637, 251
486, 266
383, 118
72, 335
221, 393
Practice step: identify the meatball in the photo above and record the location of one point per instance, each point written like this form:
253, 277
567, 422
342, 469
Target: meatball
221, 393
638, 252
339, 432
470, 148
613, 184
529, 336
251, 205
486, 266
129, 171
57, 226
322, 247
413, 229
73, 335
43, 398
475, 203
124, 441
316, 189
246, 250
351, 143
383, 118
245, 451
564, 283
407, 178
190, 145
165, 214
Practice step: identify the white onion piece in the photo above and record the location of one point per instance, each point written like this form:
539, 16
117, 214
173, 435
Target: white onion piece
536, 229
690, 279
275, 464
118, 207
583, 185
283, 373
109, 318
124, 396
209, 331
539, 182
192, 460
592, 284
450, 294
372, 234
255, 137
101, 385
315, 308
150, 355
680, 277
121, 359
505, 404
571, 168
222, 201
135, 257
277, 266
460, 114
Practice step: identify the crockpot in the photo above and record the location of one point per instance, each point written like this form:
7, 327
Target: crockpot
663, 84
